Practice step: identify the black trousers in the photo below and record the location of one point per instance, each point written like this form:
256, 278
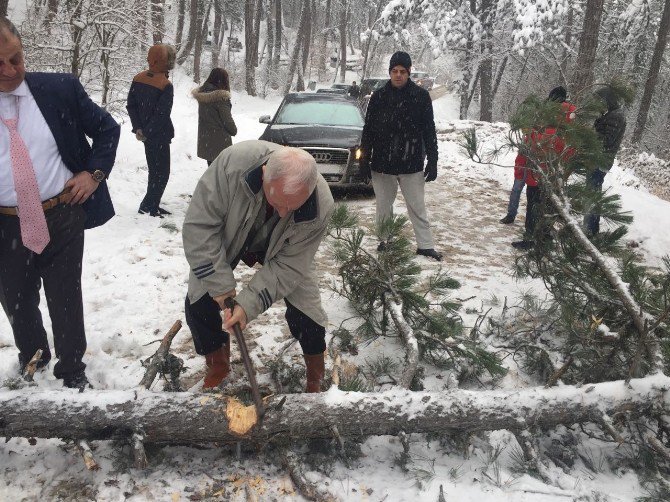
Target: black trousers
204, 320
158, 162
533, 209
59, 267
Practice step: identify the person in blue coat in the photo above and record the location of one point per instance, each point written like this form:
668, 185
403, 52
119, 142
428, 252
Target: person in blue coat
149, 106
46, 159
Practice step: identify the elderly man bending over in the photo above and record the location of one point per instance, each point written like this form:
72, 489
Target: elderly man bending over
262, 203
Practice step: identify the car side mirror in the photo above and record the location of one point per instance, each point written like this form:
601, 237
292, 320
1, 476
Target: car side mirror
265, 119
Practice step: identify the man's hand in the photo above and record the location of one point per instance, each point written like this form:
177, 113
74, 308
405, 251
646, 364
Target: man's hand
221, 298
430, 173
81, 186
140, 136
238, 316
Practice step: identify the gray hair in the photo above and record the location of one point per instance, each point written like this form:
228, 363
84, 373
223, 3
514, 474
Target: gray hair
294, 166
6, 26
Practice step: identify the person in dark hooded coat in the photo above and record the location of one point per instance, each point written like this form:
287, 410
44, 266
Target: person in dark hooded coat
611, 127
215, 120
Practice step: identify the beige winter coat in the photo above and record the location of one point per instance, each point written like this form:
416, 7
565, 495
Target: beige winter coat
215, 121
221, 213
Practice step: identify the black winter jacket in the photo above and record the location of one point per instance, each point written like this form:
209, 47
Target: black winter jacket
399, 131
149, 106
610, 127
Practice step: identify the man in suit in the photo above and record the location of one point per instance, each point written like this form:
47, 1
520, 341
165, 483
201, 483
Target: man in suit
52, 187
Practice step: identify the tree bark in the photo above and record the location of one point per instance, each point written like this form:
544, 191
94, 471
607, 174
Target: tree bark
203, 18
194, 418
343, 41
251, 51
216, 34
652, 76
295, 56
181, 14
274, 73
193, 28
568, 44
158, 20
588, 44
3, 7
486, 64
304, 50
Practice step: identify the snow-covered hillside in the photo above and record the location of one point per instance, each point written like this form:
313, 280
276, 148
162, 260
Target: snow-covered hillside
134, 286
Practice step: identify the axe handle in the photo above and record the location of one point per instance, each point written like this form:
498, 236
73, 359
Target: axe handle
248, 365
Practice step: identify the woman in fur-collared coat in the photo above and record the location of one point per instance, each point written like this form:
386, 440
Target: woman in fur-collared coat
215, 121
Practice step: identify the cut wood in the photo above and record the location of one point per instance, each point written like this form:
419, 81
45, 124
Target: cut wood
156, 361
196, 418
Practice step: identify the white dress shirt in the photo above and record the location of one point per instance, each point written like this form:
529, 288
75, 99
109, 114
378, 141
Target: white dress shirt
50, 170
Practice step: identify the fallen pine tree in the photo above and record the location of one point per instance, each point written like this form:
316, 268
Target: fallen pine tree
182, 418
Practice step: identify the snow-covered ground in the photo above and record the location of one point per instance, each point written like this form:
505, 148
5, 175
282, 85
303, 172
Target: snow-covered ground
134, 286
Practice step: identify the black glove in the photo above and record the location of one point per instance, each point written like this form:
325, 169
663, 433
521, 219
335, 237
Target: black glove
430, 173
364, 169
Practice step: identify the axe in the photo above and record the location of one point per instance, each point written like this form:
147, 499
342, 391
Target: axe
248, 365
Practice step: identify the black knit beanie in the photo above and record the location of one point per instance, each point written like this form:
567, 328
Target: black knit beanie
558, 94
400, 58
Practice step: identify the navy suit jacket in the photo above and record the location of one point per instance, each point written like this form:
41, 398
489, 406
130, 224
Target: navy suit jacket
72, 116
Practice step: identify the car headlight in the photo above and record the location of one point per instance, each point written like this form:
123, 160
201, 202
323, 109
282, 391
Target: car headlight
358, 154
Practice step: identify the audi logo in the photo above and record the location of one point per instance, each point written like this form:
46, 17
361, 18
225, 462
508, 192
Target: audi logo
321, 157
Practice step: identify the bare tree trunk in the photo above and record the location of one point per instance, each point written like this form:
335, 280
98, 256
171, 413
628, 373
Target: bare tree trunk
3, 7
181, 14
499, 74
274, 72
568, 44
306, 42
193, 28
466, 79
588, 44
251, 50
158, 20
184, 417
486, 64
216, 34
293, 64
202, 22
372, 17
343, 41
652, 76
323, 43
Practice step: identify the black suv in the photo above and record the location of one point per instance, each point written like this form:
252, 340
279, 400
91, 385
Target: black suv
329, 126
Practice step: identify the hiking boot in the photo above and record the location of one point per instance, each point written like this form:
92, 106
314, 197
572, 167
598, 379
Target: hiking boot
508, 219
316, 368
164, 211
430, 253
523, 245
77, 381
218, 366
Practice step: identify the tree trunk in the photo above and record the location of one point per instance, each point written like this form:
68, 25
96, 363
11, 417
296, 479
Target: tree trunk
568, 44
274, 77
323, 43
203, 18
193, 28
158, 20
468, 62
251, 51
3, 7
295, 56
195, 418
181, 14
216, 34
306, 42
588, 44
486, 64
343, 41
652, 76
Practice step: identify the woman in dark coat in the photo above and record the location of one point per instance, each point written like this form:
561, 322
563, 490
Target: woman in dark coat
215, 121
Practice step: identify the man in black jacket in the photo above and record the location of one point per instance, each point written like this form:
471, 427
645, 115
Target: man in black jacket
611, 127
149, 107
398, 135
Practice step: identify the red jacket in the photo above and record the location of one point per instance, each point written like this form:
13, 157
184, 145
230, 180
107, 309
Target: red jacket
544, 142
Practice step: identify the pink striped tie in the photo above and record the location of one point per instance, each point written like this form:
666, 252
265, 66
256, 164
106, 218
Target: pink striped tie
34, 231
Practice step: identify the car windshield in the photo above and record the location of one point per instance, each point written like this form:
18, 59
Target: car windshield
327, 113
